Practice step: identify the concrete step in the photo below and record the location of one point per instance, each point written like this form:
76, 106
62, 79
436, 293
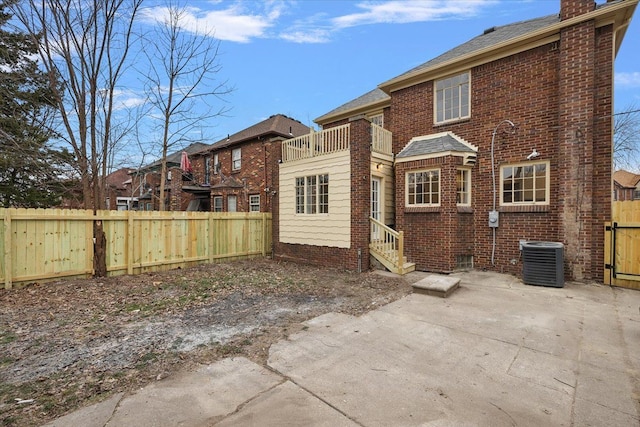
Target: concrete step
437, 285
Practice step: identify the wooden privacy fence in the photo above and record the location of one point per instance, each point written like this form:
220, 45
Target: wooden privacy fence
622, 245
45, 244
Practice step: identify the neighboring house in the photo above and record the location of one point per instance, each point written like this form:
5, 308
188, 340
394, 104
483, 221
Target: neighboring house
147, 181
236, 173
504, 138
626, 186
118, 193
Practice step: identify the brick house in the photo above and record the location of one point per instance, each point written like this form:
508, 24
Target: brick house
236, 173
507, 137
118, 192
626, 186
146, 181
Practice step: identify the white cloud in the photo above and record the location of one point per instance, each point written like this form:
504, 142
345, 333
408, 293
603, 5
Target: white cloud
406, 11
312, 35
628, 79
234, 23
320, 28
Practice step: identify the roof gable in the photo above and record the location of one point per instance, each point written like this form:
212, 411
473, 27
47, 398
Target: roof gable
436, 145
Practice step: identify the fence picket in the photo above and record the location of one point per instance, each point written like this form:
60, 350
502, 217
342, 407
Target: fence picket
45, 244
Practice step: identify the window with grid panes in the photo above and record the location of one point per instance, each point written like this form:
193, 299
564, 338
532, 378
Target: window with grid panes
423, 188
452, 97
525, 184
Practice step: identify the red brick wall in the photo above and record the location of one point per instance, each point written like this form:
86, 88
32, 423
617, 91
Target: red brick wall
571, 8
527, 89
256, 172
430, 232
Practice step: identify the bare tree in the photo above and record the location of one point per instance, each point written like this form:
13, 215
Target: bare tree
84, 43
626, 139
181, 81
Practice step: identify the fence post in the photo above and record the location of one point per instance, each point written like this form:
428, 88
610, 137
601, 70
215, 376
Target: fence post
8, 263
130, 242
264, 234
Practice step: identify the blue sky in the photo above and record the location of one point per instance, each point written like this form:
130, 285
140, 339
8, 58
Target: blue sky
303, 58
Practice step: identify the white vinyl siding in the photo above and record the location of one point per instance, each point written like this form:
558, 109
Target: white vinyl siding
332, 228
452, 97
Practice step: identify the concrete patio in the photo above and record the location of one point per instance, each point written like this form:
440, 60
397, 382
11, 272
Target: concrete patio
494, 353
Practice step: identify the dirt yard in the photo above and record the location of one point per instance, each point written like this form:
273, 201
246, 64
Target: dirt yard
67, 344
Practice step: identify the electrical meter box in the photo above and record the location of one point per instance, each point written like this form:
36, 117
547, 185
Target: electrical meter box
494, 219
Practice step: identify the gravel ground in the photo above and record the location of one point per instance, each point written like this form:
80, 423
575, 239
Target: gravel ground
67, 344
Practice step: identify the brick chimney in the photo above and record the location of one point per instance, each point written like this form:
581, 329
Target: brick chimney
572, 8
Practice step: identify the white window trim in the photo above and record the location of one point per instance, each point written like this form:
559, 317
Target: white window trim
406, 189
435, 100
216, 198
216, 164
234, 160
231, 197
521, 164
306, 195
468, 181
252, 203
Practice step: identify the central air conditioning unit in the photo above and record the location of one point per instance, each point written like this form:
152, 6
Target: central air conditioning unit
543, 264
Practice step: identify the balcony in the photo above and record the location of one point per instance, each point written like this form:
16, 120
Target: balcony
332, 140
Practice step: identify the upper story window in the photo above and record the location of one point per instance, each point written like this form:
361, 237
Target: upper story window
236, 159
463, 184
216, 164
423, 188
525, 184
452, 98
207, 169
312, 194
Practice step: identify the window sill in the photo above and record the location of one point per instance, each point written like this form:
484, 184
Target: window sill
421, 209
525, 208
465, 209
452, 122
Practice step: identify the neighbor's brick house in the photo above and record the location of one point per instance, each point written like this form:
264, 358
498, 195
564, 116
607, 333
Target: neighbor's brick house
236, 173
524, 108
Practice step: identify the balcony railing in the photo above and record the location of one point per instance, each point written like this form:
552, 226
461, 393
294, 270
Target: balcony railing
314, 144
332, 140
381, 140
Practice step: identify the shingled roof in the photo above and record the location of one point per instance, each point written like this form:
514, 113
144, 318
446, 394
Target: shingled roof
626, 179
173, 159
436, 143
368, 99
492, 38
276, 125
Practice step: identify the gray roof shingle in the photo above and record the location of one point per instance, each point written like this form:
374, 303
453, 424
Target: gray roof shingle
431, 144
490, 37
370, 97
